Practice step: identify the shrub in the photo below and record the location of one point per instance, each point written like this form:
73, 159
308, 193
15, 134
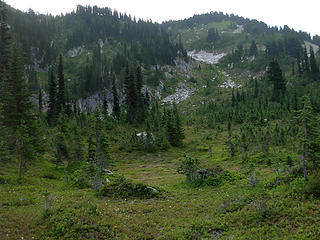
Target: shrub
313, 185
122, 188
2, 180
189, 166
223, 178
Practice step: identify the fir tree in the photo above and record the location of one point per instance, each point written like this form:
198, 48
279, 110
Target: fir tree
5, 52
61, 98
131, 95
21, 120
275, 77
52, 108
105, 104
306, 64
313, 64
116, 106
40, 100
253, 49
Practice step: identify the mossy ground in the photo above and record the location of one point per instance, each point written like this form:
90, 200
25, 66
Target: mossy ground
235, 210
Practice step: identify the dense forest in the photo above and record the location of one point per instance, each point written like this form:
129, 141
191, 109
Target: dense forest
111, 129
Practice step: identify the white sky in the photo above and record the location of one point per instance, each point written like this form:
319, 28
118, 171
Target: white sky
297, 14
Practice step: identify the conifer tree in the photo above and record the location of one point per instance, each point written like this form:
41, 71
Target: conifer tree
116, 106
131, 95
306, 61
253, 49
62, 138
21, 120
313, 64
5, 52
105, 104
275, 77
61, 98
52, 108
40, 100
141, 104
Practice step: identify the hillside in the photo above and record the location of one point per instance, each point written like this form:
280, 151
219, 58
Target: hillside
118, 128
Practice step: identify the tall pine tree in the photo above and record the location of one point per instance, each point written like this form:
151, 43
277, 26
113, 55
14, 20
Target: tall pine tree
116, 106
313, 64
274, 74
52, 108
61, 98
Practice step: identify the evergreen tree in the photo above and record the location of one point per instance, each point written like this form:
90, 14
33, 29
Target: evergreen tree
141, 104
274, 74
5, 52
313, 64
62, 139
52, 108
131, 95
304, 116
306, 65
21, 120
253, 51
40, 100
61, 98
213, 35
116, 106
105, 104
175, 131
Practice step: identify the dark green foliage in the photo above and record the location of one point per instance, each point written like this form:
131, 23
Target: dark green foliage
116, 106
313, 185
104, 105
61, 97
313, 64
52, 108
63, 133
175, 131
275, 77
253, 51
213, 35
122, 188
5, 52
222, 178
131, 95
189, 167
40, 100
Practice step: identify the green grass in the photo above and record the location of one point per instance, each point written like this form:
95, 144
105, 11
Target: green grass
233, 210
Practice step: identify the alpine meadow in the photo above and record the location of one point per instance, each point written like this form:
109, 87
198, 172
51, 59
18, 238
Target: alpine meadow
114, 127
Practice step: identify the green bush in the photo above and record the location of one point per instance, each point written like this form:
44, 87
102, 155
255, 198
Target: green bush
313, 185
122, 188
2, 180
189, 167
81, 177
223, 178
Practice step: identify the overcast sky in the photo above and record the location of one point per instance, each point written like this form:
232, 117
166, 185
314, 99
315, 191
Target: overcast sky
300, 15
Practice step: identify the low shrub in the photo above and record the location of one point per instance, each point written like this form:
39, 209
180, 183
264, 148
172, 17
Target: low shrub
122, 188
222, 178
313, 185
2, 180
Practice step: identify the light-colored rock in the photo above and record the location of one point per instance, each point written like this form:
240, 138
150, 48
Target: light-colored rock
206, 57
308, 45
76, 51
182, 93
168, 75
239, 29
153, 189
229, 84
